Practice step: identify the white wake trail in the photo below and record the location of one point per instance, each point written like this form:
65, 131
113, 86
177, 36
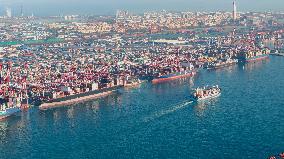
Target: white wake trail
167, 111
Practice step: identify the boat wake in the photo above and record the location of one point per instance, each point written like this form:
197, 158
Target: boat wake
167, 111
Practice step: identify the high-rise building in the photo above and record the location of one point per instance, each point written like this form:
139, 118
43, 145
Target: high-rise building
8, 12
122, 15
234, 10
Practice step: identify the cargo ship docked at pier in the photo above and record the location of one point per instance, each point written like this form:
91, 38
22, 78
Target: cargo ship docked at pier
133, 83
250, 56
77, 98
8, 112
13, 90
9, 107
173, 76
220, 63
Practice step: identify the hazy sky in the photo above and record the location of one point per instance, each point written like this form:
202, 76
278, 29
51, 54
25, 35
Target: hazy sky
56, 7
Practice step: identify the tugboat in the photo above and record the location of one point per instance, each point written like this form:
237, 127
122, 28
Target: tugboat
205, 93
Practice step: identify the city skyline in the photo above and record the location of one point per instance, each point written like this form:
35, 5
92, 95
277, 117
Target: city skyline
52, 7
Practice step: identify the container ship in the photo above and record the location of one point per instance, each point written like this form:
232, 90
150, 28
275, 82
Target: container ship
9, 107
220, 63
13, 93
6, 112
173, 76
250, 56
201, 94
67, 96
131, 83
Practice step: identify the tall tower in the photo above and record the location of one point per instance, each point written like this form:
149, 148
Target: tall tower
8, 12
234, 10
22, 12
117, 14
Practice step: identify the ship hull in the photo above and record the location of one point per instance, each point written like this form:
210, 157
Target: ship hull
8, 112
256, 58
173, 77
221, 66
78, 98
132, 85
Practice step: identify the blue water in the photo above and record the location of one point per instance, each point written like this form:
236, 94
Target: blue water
159, 121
